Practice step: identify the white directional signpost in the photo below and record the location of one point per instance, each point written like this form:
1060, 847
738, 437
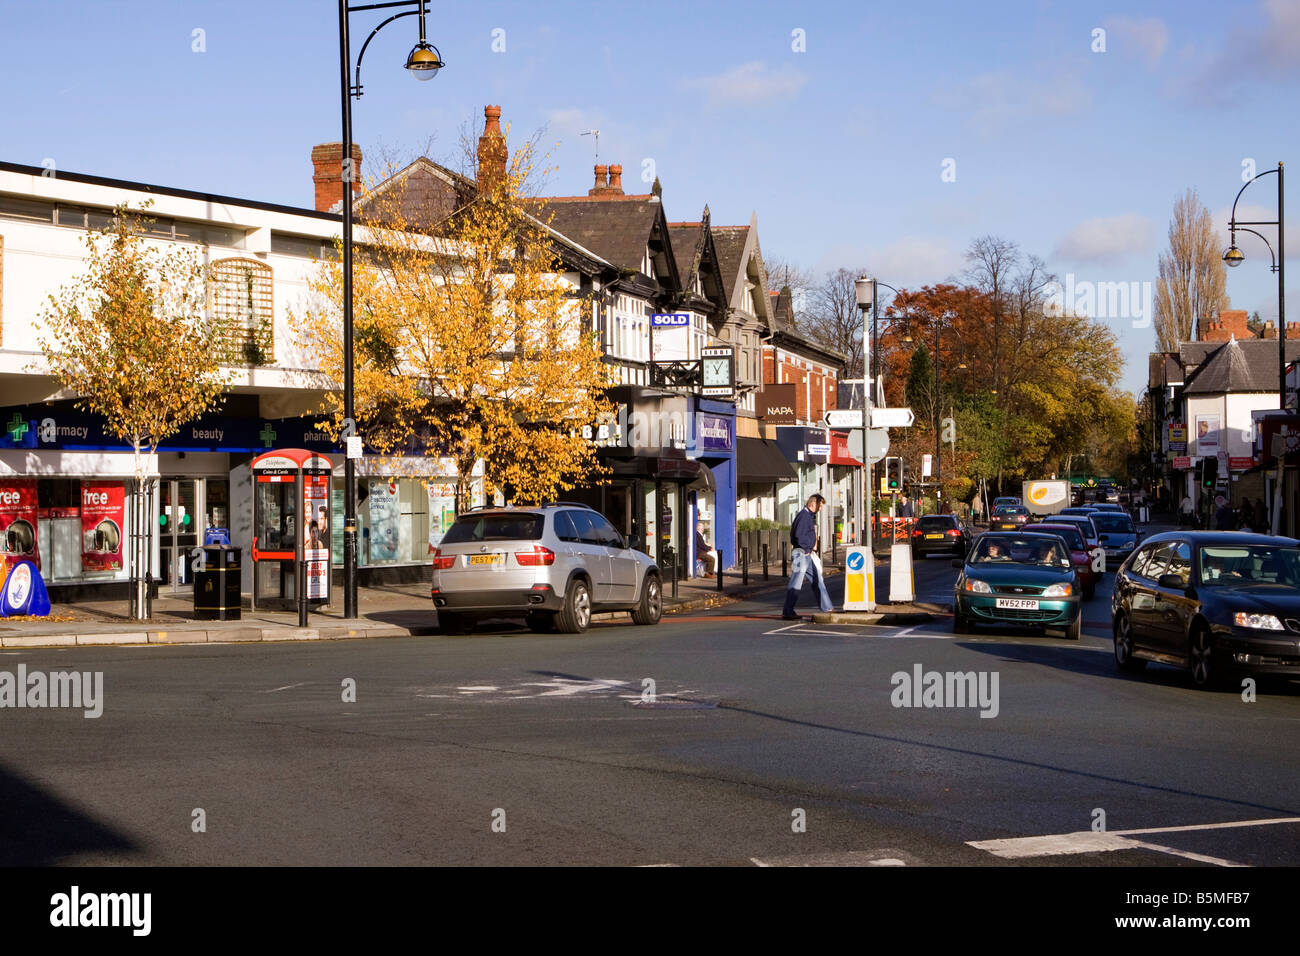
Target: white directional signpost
892, 418
843, 418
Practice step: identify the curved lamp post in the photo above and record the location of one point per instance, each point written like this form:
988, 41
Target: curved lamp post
1235, 257
424, 62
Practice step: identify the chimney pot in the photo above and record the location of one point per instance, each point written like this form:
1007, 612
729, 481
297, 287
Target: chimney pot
616, 180
492, 152
602, 179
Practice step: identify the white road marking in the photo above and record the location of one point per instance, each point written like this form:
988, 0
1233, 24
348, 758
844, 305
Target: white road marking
1088, 841
285, 687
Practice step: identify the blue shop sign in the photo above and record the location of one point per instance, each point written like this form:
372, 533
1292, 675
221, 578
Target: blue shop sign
713, 433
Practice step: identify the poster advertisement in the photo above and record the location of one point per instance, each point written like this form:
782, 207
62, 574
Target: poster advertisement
316, 536
385, 527
442, 511
18, 521
103, 511
1207, 434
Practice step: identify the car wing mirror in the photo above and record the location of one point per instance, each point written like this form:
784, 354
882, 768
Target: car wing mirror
1172, 582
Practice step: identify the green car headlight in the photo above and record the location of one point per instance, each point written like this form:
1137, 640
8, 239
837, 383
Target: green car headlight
977, 586
1260, 622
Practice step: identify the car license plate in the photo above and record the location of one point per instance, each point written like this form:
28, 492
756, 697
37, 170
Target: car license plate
1018, 604
487, 559
934, 537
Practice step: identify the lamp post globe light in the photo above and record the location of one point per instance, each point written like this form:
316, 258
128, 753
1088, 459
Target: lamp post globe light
423, 62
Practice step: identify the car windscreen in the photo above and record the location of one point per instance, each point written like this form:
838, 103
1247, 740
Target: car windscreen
1244, 565
1108, 522
935, 523
1070, 534
495, 527
1008, 549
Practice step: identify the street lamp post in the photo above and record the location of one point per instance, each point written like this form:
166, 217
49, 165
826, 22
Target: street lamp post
865, 293
424, 62
1234, 257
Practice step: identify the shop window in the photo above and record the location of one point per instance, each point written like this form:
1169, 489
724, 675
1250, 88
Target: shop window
393, 514
240, 302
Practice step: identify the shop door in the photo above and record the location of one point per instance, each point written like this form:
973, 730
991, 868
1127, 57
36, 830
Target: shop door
178, 533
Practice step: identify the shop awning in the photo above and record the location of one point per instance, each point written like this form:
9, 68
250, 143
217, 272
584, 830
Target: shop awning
760, 460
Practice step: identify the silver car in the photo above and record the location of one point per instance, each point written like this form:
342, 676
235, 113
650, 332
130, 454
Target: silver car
553, 565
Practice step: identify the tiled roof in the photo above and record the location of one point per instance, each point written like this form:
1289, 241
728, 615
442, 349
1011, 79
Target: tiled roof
729, 241
617, 230
1248, 365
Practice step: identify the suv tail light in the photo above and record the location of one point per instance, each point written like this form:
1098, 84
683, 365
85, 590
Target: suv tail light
442, 562
916, 532
953, 532
538, 557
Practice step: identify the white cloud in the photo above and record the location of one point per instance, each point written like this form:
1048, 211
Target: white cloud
751, 82
997, 100
1146, 38
907, 262
1253, 53
1106, 239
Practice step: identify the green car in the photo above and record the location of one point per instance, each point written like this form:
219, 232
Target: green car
1018, 578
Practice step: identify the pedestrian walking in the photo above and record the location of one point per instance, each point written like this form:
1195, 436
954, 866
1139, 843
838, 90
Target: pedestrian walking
1222, 515
1185, 511
804, 560
976, 509
905, 509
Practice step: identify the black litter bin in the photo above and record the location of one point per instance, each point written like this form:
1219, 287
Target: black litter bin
216, 584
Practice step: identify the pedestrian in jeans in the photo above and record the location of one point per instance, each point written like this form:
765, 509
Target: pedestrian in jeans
804, 559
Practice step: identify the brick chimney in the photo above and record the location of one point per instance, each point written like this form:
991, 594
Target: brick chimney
492, 153
1231, 324
1270, 330
327, 163
609, 183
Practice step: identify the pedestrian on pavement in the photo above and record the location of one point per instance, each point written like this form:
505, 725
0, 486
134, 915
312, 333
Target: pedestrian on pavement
803, 537
707, 557
1185, 511
1222, 515
976, 509
905, 509
1261, 516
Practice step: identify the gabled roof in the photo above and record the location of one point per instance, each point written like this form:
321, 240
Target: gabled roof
697, 257
782, 310
1235, 366
618, 229
737, 248
434, 193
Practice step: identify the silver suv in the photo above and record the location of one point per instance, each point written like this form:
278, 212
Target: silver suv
553, 565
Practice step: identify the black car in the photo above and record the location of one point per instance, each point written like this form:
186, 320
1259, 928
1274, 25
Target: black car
1213, 602
938, 534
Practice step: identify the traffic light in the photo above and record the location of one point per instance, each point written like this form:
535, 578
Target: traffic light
894, 474
1210, 473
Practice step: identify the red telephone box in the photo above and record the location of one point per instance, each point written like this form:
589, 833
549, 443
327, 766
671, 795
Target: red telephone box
291, 527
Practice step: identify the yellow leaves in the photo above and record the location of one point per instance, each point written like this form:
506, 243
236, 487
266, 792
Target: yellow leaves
466, 333
129, 336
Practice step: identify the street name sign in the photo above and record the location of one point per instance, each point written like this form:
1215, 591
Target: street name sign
892, 418
843, 418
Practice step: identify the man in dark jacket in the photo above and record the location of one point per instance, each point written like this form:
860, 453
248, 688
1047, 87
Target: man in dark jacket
803, 536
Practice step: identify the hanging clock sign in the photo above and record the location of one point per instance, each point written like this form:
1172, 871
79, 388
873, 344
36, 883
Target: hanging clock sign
718, 370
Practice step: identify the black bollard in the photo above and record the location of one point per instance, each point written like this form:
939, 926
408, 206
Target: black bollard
721, 564
764, 560
785, 567
674, 581
301, 590
744, 566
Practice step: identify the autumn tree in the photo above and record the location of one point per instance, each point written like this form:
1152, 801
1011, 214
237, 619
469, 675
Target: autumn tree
469, 344
131, 338
833, 319
1192, 280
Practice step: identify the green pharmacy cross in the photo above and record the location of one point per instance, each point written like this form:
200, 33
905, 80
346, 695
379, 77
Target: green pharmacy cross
17, 428
267, 435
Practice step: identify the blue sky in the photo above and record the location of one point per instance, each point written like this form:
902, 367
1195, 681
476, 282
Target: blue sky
839, 147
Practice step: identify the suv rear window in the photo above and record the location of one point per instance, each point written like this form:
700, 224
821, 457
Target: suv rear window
935, 522
498, 527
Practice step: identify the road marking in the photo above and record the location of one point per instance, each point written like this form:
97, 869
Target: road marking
285, 687
836, 858
1088, 841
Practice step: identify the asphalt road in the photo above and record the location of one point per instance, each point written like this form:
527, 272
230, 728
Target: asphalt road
508, 747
